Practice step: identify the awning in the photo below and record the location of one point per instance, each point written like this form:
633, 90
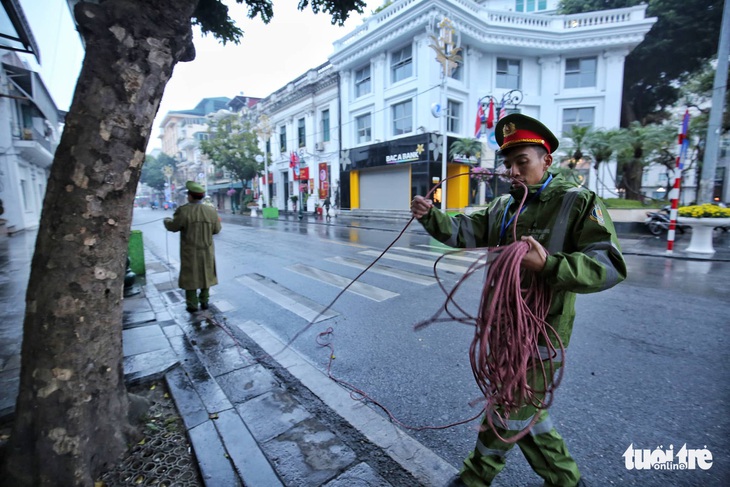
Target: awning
237, 185
15, 32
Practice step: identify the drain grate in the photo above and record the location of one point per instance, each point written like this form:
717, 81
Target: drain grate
163, 458
174, 297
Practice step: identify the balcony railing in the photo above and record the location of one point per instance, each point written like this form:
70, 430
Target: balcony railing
31, 133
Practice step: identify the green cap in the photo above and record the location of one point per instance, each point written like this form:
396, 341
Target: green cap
517, 130
194, 187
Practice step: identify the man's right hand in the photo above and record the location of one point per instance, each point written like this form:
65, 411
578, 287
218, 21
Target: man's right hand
420, 207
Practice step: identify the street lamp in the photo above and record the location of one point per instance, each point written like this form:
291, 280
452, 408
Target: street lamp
512, 97
447, 55
263, 130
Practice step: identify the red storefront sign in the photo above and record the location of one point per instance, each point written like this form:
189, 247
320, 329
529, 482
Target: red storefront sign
303, 173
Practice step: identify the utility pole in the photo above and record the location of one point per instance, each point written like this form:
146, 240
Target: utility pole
707, 179
447, 54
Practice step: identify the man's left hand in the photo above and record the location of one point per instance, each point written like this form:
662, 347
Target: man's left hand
535, 258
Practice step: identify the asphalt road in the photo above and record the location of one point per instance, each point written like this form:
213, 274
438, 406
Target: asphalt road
648, 363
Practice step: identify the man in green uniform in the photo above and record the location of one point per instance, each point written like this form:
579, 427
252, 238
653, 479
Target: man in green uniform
573, 246
197, 223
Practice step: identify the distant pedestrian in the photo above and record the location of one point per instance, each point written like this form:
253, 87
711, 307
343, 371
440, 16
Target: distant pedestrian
197, 223
327, 204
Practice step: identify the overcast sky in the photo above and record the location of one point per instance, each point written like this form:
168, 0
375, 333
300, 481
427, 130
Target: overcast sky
268, 57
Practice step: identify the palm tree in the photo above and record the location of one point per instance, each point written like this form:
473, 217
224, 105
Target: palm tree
601, 145
467, 147
576, 139
641, 145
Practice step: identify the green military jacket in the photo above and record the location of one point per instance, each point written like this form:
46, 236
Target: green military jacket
197, 223
572, 223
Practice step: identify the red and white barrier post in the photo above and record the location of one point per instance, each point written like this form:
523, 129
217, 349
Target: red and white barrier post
674, 193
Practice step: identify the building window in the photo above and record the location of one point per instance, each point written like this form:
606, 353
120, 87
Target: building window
401, 64
453, 117
362, 81
580, 117
24, 191
530, 5
325, 125
282, 138
403, 118
301, 133
580, 72
508, 73
200, 136
364, 130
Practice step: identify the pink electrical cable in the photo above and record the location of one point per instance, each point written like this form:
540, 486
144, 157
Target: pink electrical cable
504, 352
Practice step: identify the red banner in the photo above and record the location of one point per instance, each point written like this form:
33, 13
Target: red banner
323, 180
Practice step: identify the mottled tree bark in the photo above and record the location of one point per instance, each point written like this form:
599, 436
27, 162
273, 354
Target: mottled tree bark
71, 414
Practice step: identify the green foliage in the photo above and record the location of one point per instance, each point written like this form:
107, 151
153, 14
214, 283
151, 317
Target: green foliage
233, 146
465, 146
212, 15
601, 145
576, 140
152, 174
385, 5
631, 204
683, 40
638, 147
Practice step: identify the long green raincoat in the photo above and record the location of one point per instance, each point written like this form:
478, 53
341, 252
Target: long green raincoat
197, 223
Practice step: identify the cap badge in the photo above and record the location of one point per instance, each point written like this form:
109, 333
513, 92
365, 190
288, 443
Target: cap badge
509, 129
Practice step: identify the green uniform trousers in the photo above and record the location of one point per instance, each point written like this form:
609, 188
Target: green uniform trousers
192, 299
543, 448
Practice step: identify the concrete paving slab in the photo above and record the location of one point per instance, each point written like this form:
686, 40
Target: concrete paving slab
186, 398
143, 339
215, 467
212, 395
309, 454
281, 410
136, 304
148, 366
220, 361
172, 330
360, 474
132, 320
249, 461
247, 383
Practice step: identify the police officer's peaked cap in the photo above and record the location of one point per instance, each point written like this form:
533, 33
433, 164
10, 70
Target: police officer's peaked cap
517, 130
194, 187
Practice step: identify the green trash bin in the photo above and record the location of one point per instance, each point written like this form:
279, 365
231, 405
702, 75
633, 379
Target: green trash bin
136, 252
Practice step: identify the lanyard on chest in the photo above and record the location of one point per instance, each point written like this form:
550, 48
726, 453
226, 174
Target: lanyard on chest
505, 224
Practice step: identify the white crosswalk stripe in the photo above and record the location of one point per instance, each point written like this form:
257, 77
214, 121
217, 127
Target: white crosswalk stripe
458, 269
360, 288
386, 271
286, 298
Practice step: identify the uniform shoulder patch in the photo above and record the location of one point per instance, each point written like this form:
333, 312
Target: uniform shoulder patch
597, 215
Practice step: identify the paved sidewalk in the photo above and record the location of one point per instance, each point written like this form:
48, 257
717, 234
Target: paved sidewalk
256, 415
252, 419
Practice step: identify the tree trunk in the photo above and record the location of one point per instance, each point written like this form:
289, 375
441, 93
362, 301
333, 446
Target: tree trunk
631, 180
71, 413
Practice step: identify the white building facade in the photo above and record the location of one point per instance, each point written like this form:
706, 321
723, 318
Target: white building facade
29, 135
568, 70
303, 118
